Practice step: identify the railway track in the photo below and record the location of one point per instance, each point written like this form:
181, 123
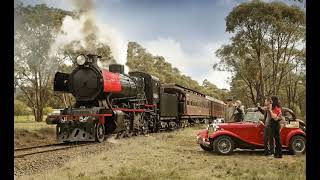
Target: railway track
23, 152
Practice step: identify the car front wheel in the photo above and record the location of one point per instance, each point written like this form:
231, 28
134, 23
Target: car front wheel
297, 145
223, 145
206, 148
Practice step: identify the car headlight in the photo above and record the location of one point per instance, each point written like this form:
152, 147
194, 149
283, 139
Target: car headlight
81, 60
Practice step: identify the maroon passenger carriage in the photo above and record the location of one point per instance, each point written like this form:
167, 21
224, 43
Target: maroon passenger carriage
195, 107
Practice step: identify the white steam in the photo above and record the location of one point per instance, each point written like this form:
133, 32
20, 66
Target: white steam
88, 33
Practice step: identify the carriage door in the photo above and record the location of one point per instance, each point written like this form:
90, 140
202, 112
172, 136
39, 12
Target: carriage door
182, 100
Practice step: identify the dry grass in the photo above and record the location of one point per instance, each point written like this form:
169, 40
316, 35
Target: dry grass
174, 155
27, 132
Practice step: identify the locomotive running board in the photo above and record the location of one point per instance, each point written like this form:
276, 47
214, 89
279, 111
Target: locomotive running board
56, 119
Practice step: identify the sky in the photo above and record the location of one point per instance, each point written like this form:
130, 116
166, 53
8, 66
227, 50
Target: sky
185, 32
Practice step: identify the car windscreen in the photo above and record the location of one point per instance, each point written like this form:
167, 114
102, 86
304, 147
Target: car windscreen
253, 116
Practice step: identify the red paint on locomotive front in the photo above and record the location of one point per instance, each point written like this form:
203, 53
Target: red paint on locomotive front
111, 82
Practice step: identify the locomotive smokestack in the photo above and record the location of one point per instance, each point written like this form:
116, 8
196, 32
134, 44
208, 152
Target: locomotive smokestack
92, 58
116, 68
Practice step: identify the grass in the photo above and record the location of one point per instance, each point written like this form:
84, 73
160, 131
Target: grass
174, 155
28, 132
24, 119
28, 123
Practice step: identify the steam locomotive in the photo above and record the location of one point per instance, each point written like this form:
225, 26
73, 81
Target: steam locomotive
111, 102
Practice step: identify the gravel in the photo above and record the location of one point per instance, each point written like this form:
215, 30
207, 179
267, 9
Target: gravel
40, 163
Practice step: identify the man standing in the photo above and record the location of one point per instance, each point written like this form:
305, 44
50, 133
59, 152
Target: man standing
272, 112
268, 141
229, 110
239, 111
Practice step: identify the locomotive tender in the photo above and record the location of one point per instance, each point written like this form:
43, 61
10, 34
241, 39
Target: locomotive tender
111, 102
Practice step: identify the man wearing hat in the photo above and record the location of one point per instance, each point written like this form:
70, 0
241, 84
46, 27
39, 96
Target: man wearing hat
229, 110
239, 111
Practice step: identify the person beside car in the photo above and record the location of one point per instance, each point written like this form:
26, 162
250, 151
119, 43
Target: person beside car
276, 117
272, 122
238, 112
268, 141
229, 110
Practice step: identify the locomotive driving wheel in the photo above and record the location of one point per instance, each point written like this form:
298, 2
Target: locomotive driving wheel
100, 132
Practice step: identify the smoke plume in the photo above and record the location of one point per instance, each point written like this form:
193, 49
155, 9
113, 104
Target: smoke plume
86, 33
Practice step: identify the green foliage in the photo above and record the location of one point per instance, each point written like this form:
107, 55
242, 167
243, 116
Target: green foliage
138, 59
239, 90
37, 15
212, 90
266, 53
47, 110
20, 108
35, 30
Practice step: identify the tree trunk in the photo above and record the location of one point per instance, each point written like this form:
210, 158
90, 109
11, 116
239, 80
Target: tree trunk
38, 114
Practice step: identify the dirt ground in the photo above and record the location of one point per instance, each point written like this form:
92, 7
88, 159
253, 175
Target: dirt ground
168, 155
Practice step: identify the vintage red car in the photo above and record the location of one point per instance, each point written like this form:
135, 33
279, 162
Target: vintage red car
223, 138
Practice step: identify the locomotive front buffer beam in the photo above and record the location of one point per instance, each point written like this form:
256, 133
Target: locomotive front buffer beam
72, 128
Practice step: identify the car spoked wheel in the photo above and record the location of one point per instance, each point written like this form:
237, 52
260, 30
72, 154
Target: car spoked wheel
100, 132
297, 145
223, 145
206, 148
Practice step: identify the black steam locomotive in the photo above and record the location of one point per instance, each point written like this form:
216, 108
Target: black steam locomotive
109, 102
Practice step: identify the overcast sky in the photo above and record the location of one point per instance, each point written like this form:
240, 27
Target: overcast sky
185, 32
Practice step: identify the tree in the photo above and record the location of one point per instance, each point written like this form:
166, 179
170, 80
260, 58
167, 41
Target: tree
35, 30
212, 90
20, 108
267, 45
239, 90
138, 59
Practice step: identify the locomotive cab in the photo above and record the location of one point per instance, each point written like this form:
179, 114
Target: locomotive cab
152, 87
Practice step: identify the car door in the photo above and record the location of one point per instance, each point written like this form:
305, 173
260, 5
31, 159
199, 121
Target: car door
260, 134
253, 129
247, 131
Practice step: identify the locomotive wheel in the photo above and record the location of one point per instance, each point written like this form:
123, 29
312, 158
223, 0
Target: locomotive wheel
119, 135
100, 131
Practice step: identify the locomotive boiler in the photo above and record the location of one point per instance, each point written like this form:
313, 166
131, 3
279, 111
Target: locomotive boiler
89, 84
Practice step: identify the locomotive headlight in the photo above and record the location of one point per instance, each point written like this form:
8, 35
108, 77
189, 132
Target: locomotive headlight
81, 60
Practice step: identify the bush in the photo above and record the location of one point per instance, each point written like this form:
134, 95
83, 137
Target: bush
20, 108
47, 110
